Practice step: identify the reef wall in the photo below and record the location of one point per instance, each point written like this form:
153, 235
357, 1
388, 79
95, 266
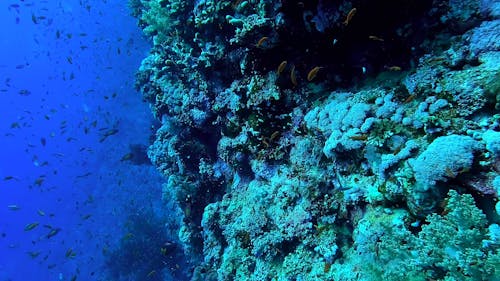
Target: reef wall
329, 140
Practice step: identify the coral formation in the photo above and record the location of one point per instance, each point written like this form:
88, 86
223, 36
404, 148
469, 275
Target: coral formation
329, 140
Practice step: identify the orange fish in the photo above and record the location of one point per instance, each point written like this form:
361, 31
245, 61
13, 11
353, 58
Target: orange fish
261, 41
312, 74
281, 67
351, 14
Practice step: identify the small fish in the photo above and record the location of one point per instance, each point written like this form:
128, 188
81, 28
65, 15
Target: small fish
327, 267
151, 273
375, 38
312, 74
40, 213
128, 236
86, 217
39, 181
8, 178
70, 253
31, 226
274, 135
410, 98
281, 67
43, 141
33, 254
126, 157
351, 14
393, 68
261, 41
84, 175
163, 251
14, 207
53, 232
110, 132
449, 172
362, 137
107, 134
24, 92
69, 59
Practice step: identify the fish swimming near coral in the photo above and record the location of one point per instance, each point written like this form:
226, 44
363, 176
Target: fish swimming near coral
281, 67
261, 41
312, 74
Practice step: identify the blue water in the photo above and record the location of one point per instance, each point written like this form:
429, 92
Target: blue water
69, 115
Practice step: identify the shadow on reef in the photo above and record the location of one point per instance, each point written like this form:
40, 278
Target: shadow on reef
147, 251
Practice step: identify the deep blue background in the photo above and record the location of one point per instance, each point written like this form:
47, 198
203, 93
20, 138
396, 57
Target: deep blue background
66, 77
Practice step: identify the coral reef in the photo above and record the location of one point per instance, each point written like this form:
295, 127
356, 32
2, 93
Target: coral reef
328, 140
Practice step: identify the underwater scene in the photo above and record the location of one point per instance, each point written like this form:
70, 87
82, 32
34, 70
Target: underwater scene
250, 140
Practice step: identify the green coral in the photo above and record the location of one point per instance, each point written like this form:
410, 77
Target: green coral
449, 246
160, 17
